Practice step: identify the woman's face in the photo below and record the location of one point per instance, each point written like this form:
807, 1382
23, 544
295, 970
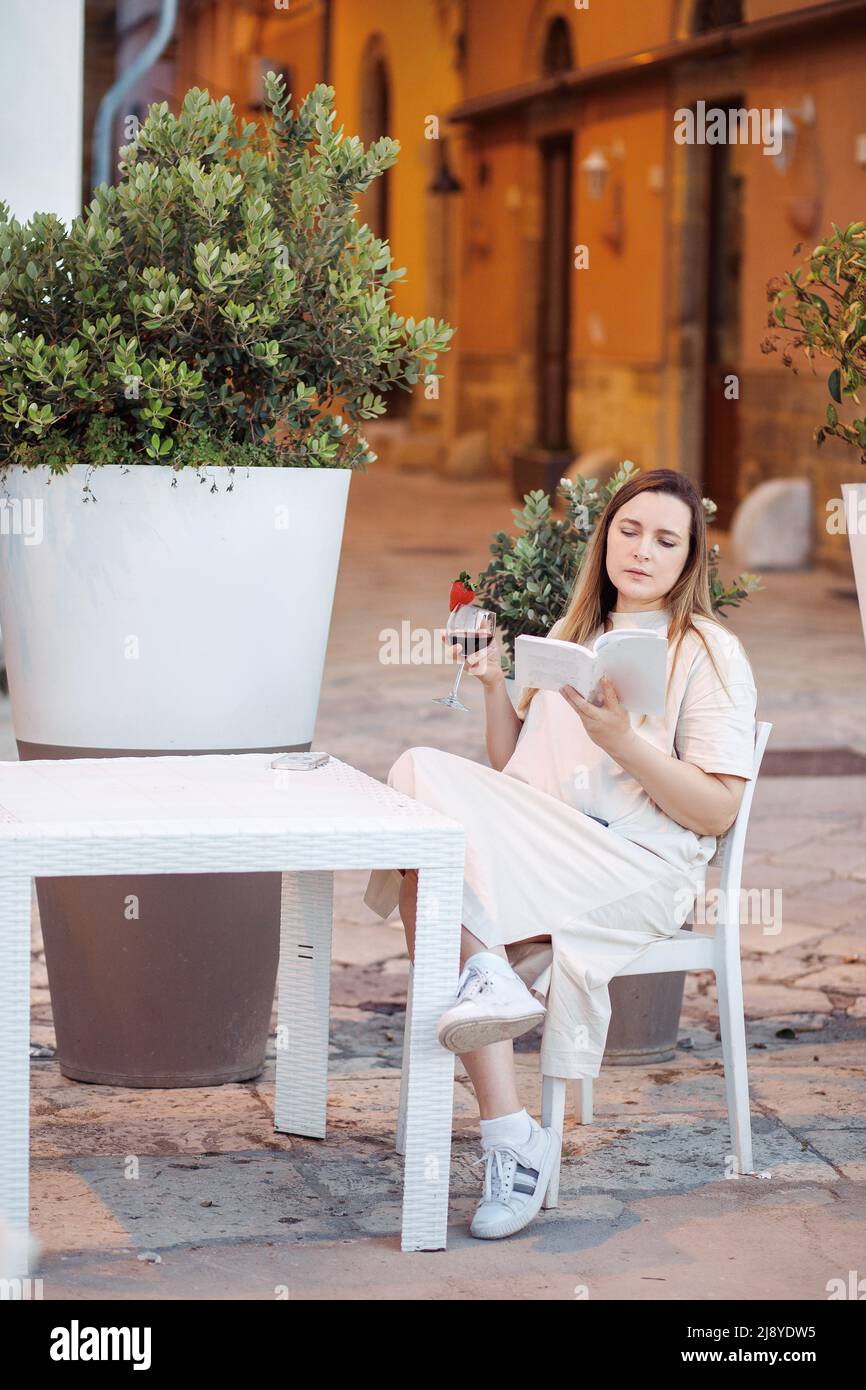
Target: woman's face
647, 547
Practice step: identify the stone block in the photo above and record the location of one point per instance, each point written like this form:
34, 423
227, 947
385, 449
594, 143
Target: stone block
772, 526
594, 463
778, 1001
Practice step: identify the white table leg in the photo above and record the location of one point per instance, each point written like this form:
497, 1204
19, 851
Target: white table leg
400, 1141
430, 1092
303, 1010
14, 1072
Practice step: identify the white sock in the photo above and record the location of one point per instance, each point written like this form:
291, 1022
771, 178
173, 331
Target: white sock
506, 1129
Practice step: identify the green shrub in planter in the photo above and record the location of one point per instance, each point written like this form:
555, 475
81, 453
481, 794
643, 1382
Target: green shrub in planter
530, 578
821, 306
220, 305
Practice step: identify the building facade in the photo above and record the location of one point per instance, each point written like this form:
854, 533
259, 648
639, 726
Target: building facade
560, 199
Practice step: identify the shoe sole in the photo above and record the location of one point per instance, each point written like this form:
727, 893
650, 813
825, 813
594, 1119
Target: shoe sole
466, 1035
532, 1209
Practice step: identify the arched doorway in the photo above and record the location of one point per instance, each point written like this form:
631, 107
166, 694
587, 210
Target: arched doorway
557, 54
716, 14
375, 121
694, 17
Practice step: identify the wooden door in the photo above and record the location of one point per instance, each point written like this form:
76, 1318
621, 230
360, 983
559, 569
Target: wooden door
721, 425
555, 292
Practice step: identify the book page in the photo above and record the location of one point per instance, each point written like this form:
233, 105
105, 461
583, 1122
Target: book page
636, 664
548, 663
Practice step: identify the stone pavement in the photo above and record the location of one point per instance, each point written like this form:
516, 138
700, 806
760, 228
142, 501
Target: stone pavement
224, 1208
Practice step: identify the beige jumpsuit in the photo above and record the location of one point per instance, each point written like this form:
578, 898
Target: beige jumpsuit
539, 862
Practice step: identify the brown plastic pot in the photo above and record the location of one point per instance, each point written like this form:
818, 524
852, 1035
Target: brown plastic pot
534, 468
180, 995
644, 1018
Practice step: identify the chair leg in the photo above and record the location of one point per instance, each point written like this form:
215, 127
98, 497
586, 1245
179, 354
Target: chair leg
732, 1027
553, 1114
400, 1144
581, 1095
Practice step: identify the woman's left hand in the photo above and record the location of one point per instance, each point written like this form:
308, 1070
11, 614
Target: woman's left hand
607, 724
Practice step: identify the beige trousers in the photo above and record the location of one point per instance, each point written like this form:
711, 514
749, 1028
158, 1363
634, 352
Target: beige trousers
536, 866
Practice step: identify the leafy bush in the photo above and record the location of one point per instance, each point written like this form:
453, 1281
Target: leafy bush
219, 304
530, 578
823, 308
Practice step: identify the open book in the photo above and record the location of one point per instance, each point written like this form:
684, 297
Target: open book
633, 659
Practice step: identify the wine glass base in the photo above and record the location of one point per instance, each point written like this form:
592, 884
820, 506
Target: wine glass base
452, 702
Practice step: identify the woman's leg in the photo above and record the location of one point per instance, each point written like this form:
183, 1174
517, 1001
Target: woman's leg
469, 944
491, 1068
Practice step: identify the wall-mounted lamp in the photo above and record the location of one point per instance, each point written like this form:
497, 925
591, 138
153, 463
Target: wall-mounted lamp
784, 131
597, 169
597, 166
444, 181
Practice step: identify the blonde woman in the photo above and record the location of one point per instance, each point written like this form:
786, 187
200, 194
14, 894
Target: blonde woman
589, 834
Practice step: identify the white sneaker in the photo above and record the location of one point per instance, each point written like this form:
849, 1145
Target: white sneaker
491, 1003
516, 1178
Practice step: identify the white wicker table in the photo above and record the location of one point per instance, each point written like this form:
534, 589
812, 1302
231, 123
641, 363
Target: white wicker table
207, 813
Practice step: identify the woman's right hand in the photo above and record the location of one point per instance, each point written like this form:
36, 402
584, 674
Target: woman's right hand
485, 665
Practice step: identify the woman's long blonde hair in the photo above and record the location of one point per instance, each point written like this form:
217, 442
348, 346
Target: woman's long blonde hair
594, 595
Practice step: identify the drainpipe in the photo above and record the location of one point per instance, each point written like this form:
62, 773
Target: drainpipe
110, 104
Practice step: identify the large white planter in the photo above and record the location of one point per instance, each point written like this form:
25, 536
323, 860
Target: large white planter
155, 614
854, 503
163, 615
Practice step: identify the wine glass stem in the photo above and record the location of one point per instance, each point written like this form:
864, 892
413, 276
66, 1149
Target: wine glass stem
459, 674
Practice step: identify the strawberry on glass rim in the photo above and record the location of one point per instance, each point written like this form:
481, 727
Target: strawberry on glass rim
461, 591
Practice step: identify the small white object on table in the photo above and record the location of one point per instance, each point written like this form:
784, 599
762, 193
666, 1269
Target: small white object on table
212, 813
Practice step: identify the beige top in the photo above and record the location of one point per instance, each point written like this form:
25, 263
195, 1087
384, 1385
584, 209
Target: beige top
701, 724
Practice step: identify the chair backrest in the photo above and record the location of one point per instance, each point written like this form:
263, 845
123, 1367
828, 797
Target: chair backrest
729, 849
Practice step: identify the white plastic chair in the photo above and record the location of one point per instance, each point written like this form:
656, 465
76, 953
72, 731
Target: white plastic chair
718, 951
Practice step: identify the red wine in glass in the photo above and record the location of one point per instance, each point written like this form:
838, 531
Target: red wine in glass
471, 642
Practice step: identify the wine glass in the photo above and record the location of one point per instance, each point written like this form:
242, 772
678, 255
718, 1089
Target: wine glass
473, 629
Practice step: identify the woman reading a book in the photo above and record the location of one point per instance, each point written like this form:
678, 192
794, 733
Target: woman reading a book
588, 836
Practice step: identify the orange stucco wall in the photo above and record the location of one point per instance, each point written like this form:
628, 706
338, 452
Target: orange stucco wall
824, 166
